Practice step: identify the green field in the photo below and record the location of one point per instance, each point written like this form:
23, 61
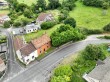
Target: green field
90, 17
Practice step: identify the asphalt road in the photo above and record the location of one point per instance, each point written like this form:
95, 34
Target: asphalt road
13, 66
39, 71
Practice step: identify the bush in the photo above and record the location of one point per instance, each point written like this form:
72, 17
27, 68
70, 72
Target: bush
64, 34
91, 31
25, 21
63, 16
6, 24
71, 22
107, 37
63, 70
107, 27
47, 25
96, 3
93, 52
59, 79
17, 24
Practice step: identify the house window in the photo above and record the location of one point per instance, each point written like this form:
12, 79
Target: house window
44, 49
33, 57
27, 60
40, 51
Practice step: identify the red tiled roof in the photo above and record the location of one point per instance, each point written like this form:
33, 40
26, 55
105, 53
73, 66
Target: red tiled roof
18, 42
41, 41
27, 49
42, 16
1, 61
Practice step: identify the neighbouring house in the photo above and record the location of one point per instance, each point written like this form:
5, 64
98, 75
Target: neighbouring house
25, 30
43, 17
101, 73
3, 3
4, 18
42, 43
18, 31
2, 65
18, 44
28, 53
31, 28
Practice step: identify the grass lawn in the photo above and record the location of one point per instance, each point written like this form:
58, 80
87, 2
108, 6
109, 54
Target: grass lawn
29, 37
4, 12
90, 17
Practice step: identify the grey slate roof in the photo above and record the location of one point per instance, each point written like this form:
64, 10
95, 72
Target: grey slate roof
101, 72
32, 26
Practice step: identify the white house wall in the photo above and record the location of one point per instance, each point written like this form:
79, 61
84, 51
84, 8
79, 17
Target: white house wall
35, 54
19, 55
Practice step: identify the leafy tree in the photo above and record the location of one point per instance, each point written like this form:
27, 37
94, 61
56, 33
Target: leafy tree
53, 4
63, 70
71, 22
17, 24
6, 24
12, 4
93, 52
63, 28
96, 3
25, 21
68, 5
21, 7
41, 4
58, 79
107, 27
65, 33
63, 16
28, 13
47, 25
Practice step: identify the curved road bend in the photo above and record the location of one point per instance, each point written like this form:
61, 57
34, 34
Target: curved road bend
39, 71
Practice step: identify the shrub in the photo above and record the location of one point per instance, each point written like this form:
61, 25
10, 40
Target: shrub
59, 79
93, 52
107, 27
107, 37
6, 24
91, 31
63, 70
24, 21
64, 34
96, 3
71, 22
47, 25
17, 24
